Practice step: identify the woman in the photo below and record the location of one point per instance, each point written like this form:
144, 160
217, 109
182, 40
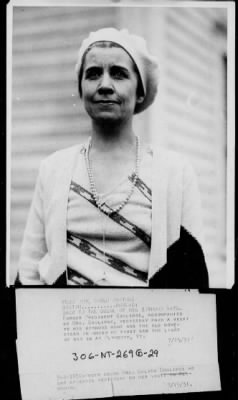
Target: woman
109, 213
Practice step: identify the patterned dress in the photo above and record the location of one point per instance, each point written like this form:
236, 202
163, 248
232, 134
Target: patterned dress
109, 250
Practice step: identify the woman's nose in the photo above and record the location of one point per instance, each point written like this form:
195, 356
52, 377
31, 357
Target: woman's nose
105, 85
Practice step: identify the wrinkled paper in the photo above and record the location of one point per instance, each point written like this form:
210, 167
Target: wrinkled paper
75, 344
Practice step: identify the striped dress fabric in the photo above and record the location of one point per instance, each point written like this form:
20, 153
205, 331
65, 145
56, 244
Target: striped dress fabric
110, 250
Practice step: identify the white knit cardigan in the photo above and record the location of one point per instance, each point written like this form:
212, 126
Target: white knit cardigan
175, 203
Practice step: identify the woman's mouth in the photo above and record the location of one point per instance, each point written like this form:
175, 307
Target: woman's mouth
106, 102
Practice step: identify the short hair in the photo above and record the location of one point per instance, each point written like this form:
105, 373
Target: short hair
108, 44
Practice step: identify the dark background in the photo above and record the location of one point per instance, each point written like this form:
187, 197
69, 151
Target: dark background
227, 300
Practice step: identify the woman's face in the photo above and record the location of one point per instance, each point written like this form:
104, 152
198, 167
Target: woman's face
109, 84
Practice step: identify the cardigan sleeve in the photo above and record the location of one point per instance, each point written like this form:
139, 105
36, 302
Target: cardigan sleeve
191, 232
186, 264
191, 218
33, 247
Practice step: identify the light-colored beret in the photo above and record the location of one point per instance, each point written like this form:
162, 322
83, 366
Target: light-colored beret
136, 47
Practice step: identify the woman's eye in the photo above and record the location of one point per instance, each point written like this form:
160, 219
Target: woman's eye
93, 73
119, 73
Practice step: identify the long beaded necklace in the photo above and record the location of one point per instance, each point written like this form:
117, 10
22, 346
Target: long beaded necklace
102, 207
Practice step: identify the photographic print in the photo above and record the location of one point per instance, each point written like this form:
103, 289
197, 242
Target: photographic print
132, 186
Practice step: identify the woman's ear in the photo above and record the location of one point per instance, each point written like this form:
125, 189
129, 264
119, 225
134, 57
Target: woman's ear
140, 99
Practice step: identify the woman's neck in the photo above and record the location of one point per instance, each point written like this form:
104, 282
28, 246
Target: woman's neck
112, 137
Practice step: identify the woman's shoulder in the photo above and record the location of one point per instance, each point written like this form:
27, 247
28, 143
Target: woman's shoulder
59, 162
167, 157
62, 156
